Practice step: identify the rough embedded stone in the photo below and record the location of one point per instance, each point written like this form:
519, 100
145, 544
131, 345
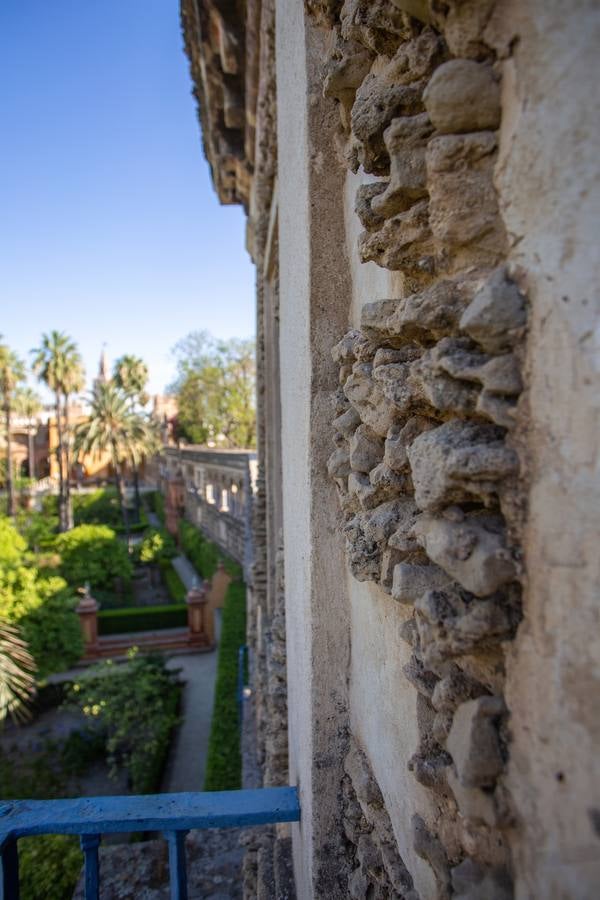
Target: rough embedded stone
430, 848
472, 881
459, 461
463, 206
411, 581
363, 206
378, 101
433, 385
367, 397
463, 96
403, 242
366, 449
405, 140
474, 742
347, 423
474, 804
400, 437
433, 312
452, 623
472, 552
496, 316
462, 22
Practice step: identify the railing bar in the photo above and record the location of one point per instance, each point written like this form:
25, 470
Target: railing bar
9, 880
177, 864
89, 845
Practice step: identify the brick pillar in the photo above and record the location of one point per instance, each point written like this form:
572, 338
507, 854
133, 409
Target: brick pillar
87, 610
200, 617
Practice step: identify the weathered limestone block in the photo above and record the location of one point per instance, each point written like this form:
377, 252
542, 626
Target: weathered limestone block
463, 96
347, 66
352, 347
496, 316
386, 482
405, 140
472, 881
457, 462
418, 9
434, 312
366, 449
367, 397
395, 383
403, 242
411, 581
364, 557
452, 623
367, 534
430, 848
363, 206
474, 742
347, 422
379, 100
400, 437
473, 551
463, 22
338, 464
474, 804
376, 24
443, 393
421, 678
455, 688
498, 374
463, 207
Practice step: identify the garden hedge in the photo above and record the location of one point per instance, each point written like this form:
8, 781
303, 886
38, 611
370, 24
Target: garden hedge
224, 760
173, 583
142, 618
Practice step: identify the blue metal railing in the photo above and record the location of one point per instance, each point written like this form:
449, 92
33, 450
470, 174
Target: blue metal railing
172, 814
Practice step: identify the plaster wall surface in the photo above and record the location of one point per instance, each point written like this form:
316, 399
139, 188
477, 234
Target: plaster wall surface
314, 300
547, 177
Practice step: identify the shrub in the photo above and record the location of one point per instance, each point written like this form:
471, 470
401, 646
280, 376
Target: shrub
224, 763
99, 507
155, 546
12, 545
173, 583
49, 866
203, 554
141, 618
93, 554
38, 529
137, 705
42, 607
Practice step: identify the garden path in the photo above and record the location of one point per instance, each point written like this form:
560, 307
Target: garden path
187, 759
186, 571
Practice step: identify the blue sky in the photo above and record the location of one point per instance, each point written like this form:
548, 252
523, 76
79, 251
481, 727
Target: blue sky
109, 225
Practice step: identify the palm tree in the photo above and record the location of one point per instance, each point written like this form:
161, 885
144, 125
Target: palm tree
17, 682
111, 427
130, 374
12, 371
29, 405
57, 363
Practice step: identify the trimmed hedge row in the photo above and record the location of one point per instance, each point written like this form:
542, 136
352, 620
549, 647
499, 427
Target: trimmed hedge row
172, 581
203, 554
224, 760
141, 618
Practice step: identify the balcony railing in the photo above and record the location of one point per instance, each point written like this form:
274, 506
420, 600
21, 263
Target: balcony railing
172, 814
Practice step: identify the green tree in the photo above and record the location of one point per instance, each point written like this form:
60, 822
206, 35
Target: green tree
41, 607
111, 427
58, 364
215, 389
130, 374
93, 554
12, 372
29, 405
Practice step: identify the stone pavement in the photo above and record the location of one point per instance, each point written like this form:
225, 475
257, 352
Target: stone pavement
187, 759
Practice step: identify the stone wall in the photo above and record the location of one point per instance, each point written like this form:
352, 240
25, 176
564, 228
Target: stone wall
419, 177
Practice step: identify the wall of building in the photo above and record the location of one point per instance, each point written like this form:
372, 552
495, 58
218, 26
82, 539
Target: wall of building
426, 265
